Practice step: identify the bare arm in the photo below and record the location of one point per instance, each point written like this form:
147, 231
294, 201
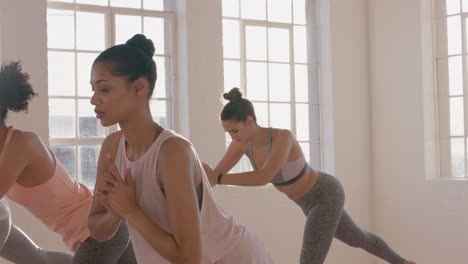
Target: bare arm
13, 160
233, 154
279, 155
177, 167
102, 222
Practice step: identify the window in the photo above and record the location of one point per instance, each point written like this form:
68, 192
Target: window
451, 20
78, 30
268, 54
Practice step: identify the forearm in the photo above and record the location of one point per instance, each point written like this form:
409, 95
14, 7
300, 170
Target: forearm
103, 226
162, 241
251, 178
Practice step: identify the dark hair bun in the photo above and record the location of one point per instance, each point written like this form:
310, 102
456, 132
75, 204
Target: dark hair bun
15, 89
234, 95
139, 41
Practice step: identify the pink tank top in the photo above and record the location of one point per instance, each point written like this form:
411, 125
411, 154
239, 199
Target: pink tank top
61, 203
220, 231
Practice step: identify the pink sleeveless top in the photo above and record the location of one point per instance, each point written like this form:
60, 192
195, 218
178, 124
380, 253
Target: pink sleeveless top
61, 203
220, 232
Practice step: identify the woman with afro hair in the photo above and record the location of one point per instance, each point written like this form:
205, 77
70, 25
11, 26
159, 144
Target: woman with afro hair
34, 178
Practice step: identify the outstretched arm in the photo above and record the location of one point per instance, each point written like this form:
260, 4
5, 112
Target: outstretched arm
279, 155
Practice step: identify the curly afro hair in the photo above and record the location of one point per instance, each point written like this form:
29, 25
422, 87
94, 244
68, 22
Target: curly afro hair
15, 89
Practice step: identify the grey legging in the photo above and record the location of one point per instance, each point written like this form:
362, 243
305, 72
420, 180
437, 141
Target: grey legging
17, 247
326, 219
118, 249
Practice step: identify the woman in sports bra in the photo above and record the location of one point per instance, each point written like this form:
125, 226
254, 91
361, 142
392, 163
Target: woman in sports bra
152, 177
31, 176
277, 158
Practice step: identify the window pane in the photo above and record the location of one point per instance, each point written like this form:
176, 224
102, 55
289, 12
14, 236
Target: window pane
261, 112
300, 44
455, 76
231, 39
62, 118
154, 30
253, 9
299, 8
231, 75
159, 112
454, 35
153, 5
93, 2
256, 43
85, 62
160, 90
302, 122
89, 125
90, 32
231, 8
66, 155
456, 117
126, 3
60, 29
301, 79
278, 44
126, 27
279, 11
61, 79
466, 31
89, 156
257, 81
465, 5
305, 147
280, 86
280, 115
452, 6
457, 148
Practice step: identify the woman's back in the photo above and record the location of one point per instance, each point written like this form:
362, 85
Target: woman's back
45, 188
40, 163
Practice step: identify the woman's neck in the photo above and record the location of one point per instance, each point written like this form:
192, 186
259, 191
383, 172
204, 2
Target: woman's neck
139, 135
259, 135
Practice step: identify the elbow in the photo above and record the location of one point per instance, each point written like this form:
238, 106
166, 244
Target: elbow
264, 177
97, 233
192, 256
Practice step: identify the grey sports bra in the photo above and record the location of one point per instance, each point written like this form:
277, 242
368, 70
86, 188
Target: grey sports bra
292, 170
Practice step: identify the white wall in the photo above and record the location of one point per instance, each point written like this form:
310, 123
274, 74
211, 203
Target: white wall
271, 215
425, 219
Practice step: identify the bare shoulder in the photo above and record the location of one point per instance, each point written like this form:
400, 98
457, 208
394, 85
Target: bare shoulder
175, 146
284, 134
111, 142
25, 139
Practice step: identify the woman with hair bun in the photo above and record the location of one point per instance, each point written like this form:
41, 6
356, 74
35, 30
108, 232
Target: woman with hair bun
32, 176
277, 158
152, 177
